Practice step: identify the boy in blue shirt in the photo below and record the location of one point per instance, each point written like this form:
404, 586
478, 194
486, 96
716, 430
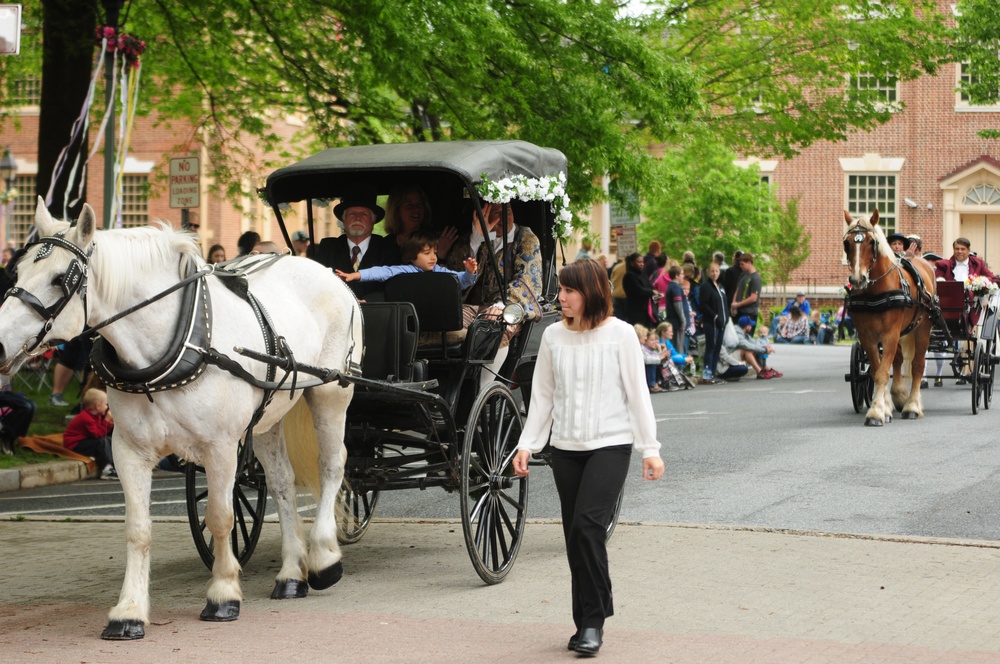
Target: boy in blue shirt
419, 251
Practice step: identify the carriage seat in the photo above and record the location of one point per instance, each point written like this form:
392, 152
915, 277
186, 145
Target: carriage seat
954, 306
391, 330
437, 299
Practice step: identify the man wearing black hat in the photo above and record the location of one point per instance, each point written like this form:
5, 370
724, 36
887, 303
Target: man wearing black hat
357, 248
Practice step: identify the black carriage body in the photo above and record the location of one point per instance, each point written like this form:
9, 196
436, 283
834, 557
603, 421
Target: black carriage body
418, 419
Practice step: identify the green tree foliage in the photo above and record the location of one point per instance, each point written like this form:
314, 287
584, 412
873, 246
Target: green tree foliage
978, 43
773, 72
705, 203
791, 244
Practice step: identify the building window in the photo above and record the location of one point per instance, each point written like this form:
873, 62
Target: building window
22, 213
983, 194
26, 91
135, 201
967, 77
867, 193
885, 89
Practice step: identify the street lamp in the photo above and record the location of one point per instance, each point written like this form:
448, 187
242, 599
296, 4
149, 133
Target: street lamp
8, 171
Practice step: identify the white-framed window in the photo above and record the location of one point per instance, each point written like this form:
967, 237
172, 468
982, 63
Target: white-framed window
869, 192
135, 200
983, 194
22, 212
27, 91
967, 76
886, 90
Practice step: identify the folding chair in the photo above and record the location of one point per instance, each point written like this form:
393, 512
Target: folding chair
37, 372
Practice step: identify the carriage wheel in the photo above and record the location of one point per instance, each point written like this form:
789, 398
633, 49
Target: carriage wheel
249, 508
991, 368
354, 512
614, 516
980, 374
862, 384
494, 499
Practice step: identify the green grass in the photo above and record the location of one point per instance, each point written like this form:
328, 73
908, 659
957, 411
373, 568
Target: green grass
48, 419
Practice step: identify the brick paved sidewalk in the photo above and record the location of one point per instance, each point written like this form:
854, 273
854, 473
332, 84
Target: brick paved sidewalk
683, 594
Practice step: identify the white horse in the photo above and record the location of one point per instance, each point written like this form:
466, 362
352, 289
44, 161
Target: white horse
204, 418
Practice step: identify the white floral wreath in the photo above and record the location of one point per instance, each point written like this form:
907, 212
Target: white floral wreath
551, 188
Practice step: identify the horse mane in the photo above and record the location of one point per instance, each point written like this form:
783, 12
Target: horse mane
122, 255
880, 240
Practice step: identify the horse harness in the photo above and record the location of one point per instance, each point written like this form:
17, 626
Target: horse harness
190, 351
862, 302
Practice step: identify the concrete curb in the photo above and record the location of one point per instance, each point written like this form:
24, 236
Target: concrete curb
42, 474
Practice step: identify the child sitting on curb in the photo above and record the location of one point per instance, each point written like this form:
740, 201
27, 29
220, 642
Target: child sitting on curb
419, 250
89, 432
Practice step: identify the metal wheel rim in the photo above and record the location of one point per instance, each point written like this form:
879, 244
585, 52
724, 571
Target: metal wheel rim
493, 499
614, 516
249, 508
354, 512
976, 377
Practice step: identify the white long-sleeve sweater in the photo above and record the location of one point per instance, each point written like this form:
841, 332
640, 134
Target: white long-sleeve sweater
590, 389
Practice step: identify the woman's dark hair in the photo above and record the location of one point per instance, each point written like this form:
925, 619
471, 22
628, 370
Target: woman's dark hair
247, 242
415, 243
630, 261
661, 260
212, 250
590, 279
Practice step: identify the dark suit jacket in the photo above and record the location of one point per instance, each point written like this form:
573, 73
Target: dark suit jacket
333, 253
977, 268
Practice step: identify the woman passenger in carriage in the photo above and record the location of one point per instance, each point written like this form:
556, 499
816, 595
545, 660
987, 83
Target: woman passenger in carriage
520, 270
407, 210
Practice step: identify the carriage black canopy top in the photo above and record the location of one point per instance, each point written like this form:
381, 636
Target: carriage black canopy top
333, 172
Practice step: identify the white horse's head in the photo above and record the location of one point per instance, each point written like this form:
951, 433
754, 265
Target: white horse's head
47, 304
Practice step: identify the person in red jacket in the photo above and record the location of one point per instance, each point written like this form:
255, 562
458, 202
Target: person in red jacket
89, 432
963, 265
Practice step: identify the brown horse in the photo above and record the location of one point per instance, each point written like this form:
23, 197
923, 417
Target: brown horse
890, 307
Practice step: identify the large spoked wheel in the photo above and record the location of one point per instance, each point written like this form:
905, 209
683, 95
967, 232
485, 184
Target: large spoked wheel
614, 516
862, 383
354, 512
494, 499
981, 366
249, 508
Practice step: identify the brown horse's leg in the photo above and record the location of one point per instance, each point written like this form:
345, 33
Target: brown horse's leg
914, 407
870, 336
901, 374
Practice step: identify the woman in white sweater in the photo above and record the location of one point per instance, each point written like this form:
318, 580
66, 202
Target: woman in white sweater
589, 390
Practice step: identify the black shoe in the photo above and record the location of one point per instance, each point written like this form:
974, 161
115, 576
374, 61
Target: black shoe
938, 382
589, 642
573, 640
962, 381
923, 383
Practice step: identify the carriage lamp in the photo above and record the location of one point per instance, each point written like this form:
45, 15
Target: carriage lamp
8, 171
513, 313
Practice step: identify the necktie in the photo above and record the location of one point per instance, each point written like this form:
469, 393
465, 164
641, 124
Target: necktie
356, 257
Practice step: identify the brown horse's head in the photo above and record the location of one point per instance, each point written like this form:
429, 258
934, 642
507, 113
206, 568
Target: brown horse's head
865, 246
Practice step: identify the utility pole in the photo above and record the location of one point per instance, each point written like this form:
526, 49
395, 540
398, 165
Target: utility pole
112, 8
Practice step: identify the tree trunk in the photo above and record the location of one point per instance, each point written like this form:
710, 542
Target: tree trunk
67, 56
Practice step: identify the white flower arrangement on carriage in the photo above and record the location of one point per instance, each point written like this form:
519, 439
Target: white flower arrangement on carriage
981, 287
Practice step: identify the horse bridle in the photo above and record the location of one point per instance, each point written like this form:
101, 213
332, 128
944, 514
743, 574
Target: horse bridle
73, 281
859, 236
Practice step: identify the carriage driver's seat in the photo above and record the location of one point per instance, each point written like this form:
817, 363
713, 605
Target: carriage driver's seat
437, 299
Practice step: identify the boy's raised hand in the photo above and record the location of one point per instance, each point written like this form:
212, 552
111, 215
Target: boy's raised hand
470, 265
348, 276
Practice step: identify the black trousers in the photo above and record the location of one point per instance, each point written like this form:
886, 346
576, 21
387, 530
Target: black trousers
99, 448
589, 484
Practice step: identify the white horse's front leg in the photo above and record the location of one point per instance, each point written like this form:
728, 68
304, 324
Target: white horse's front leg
290, 582
329, 407
127, 620
224, 594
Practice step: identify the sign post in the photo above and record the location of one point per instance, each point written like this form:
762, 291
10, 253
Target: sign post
185, 185
623, 223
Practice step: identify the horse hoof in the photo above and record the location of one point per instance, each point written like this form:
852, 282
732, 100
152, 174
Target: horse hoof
873, 422
909, 415
289, 589
228, 611
123, 630
325, 578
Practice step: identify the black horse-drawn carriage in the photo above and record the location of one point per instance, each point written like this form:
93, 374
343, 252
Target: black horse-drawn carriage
419, 419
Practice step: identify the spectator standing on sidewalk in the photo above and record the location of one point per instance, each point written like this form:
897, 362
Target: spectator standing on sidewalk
89, 432
746, 301
589, 392
731, 277
714, 314
650, 267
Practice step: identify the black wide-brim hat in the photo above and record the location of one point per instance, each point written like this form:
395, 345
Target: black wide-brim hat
902, 238
364, 197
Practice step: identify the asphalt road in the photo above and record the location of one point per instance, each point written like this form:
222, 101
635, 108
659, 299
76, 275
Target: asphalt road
786, 453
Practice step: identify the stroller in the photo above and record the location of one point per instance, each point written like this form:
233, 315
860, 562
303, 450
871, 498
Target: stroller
672, 376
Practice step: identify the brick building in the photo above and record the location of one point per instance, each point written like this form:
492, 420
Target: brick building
145, 196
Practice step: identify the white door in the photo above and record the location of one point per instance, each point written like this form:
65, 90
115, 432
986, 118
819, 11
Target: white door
983, 230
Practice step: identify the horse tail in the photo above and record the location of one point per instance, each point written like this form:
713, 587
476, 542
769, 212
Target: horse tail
302, 446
